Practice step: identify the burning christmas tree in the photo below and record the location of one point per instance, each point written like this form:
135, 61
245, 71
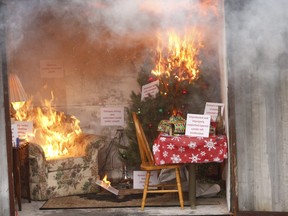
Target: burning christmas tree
184, 86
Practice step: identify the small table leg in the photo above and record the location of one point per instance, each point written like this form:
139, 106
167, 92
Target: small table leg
192, 185
16, 176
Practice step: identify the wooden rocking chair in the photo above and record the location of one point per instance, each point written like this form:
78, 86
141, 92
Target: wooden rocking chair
148, 165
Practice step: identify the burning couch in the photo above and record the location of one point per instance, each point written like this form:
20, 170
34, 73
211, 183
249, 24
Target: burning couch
63, 160
67, 175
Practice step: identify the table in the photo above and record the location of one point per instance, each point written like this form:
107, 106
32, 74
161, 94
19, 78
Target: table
21, 172
189, 150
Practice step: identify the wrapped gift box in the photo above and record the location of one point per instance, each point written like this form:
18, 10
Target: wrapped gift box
177, 122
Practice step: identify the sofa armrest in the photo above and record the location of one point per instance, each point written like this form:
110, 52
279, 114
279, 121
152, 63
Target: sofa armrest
92, 144
38, 163
88, 142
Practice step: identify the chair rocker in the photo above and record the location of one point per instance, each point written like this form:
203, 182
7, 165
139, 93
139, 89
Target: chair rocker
148, 165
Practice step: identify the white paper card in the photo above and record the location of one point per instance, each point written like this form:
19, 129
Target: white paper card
21, 130
51, 68
112, 116
197, 125
150, 89
212, 110
139, 179
25, 129
14, 134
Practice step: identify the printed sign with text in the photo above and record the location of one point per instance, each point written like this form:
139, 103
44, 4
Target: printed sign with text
21, 130
197, 125
139, 179
150, 89
51, 69
212, 110
112, 116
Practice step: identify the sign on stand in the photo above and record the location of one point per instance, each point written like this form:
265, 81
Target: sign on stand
197, 125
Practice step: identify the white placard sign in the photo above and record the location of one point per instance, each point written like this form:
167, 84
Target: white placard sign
197, 125
25, 128
14, 134
212, 110
112, 116
150, 89
51, 68
139, 179
21, 130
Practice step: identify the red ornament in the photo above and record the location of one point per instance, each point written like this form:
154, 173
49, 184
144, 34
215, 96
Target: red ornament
150, 125
150, 79
184, 91
179, 113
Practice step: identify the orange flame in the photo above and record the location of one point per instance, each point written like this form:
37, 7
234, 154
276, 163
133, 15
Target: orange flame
53, 130
179, 58
106, 181
21, 110
208, 6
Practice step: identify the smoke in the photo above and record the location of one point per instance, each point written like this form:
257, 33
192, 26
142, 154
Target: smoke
119, 17
258, 30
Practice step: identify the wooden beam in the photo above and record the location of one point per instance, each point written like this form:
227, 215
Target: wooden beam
5, 115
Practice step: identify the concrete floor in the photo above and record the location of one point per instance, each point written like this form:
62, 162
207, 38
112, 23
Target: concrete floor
32, 209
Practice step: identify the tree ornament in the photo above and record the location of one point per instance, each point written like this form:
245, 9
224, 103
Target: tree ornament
160, 110
150, 125
150, 79
184, 92
179, 113
139, 111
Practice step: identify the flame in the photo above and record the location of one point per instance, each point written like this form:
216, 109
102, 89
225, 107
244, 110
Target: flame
18, 105
208, 6
179, 58
106, 181
21, 110
53, 130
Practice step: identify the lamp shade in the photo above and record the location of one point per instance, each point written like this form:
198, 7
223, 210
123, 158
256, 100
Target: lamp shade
16, 90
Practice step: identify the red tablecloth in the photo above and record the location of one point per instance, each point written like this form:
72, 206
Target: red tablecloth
184, 149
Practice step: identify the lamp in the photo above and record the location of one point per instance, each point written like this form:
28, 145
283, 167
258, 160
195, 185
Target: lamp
17, 94
16, 90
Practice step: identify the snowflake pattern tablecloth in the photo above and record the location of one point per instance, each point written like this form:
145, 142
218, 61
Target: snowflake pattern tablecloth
184, 149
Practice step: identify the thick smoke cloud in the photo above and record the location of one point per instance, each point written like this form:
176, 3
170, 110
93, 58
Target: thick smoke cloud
258, 29
120, 17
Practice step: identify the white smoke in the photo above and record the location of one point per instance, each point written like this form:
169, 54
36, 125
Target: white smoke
259, 26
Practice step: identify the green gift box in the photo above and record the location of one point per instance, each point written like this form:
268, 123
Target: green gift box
178, 122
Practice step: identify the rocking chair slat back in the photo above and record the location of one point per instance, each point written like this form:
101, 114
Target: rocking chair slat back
144, 148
